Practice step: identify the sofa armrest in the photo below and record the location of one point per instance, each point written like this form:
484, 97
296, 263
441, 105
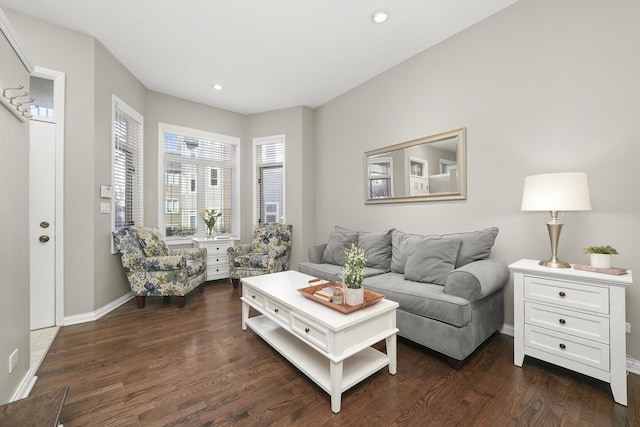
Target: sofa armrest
315, 253
476, 280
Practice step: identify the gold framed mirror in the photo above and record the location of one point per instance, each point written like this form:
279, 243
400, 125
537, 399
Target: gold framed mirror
432, 168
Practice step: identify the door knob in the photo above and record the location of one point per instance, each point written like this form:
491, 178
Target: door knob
44, 224
44, 239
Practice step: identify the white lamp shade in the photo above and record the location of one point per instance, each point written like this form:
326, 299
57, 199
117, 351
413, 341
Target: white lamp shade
556, 192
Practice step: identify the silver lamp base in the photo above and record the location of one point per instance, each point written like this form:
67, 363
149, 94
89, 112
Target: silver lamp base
554, 227
554, 264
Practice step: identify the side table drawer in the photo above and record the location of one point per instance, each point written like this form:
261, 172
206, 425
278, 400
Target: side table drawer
309, 331
573, 349
567, 294
575, 323
217, 249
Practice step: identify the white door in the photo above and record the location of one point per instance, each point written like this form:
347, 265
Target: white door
42, 195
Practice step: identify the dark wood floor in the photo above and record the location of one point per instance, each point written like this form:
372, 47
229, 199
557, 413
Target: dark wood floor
195, 366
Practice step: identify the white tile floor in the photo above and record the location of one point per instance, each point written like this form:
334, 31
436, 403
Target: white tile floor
41, 340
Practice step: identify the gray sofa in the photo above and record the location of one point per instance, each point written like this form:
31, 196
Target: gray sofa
450, 294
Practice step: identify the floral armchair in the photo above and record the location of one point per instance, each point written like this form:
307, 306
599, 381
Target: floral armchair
268, 252
154, 270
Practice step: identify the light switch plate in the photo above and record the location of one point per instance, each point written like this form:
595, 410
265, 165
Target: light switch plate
105, 191
105, 208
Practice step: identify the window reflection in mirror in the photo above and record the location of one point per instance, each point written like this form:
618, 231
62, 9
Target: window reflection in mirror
429, 168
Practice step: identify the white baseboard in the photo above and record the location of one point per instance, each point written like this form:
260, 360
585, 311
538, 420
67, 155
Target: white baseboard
25, 386
95, 315
633, 365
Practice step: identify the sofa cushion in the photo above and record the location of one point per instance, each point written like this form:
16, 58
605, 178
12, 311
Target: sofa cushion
377, 247
339, 240
422, 299
430, 261
475, 246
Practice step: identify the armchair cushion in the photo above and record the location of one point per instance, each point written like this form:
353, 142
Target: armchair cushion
151, 243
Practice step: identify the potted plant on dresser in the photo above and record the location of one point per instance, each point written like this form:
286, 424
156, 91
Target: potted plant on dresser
601, 255
355, 259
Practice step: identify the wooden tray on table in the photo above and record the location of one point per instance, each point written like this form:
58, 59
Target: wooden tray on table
370, 297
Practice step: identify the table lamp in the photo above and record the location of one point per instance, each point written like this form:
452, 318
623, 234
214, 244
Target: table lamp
556, 192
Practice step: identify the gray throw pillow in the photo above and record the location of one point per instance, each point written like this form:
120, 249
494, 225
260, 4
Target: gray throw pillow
476, 245
339, 240
430, 260
399, 249
377, 247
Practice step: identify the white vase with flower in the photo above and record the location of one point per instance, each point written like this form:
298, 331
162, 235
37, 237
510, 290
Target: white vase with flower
210, 217
355, 260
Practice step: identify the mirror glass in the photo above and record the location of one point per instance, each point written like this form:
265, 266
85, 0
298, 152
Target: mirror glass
425, 169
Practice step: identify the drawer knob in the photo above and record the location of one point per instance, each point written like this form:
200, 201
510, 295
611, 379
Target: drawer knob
562, 346
562, 321
562, 294
276, 310
253, 296
306, 330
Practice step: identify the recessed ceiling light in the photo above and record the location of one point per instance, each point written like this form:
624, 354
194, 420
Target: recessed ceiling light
216, 87
380, 16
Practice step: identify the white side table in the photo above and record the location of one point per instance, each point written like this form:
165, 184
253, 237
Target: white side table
217, 258
572, 318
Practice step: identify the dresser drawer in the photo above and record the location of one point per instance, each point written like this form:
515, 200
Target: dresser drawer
278, 312
575, 323
572, 349
567, 294
309, 331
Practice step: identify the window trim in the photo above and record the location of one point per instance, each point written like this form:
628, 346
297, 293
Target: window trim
166, 127
119, 104
273, 139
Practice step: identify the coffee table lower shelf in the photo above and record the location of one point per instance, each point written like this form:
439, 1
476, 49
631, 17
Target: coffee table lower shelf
313, 363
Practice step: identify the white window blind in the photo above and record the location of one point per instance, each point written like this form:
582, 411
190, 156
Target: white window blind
269, 156
200, 172
127, 165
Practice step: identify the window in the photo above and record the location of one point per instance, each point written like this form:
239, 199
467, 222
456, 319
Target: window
380, 173
173, 206
201, 171
127, 165
269, 153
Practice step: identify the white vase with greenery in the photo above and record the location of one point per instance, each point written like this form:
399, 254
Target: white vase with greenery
352, 274
600, 256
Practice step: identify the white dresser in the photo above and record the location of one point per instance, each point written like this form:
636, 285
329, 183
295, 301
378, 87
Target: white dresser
572, 318
217, 258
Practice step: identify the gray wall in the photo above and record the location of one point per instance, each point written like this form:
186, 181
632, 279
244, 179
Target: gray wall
14, 211
543, 86
297, 124
109, 280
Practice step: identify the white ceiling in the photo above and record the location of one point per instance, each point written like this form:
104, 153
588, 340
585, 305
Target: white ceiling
267, 54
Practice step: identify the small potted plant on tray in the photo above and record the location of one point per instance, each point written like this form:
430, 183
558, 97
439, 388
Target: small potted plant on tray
601, 255
355, 259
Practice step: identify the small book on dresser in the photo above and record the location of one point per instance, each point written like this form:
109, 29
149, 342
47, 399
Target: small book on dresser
615, 271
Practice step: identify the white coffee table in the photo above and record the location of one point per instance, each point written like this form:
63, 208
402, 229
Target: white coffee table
331, 348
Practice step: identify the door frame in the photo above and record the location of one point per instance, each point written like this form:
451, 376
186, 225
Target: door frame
59, 106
